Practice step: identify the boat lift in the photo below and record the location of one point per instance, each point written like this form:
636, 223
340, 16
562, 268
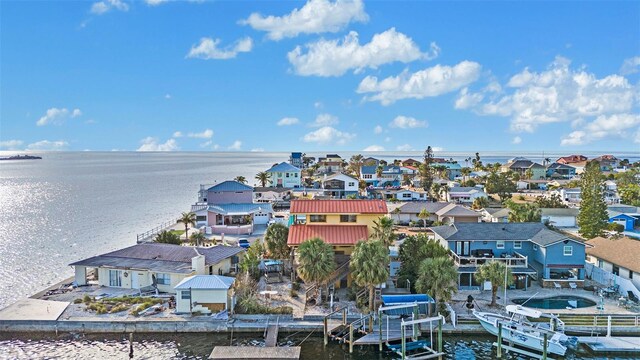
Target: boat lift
430, 353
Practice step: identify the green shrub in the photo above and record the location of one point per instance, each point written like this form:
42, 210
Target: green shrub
295, 286
293, 293
86, 299
77, 301
521, 197
118, 308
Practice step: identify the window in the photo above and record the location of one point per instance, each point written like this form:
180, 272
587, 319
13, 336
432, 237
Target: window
114, 278
568, 250
318, 218
295, 175
615, 269
630, 275
200, 218
500, 244
517, 244
352, 184
348, 218
367, 176
600, 264
163, 279
406, 195
185, 295
287, 174
535, 247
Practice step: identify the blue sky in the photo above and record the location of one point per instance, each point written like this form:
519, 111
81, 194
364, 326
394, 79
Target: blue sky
320, 75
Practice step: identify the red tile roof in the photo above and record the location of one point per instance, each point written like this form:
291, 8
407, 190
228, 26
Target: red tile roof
338, 207
331, 234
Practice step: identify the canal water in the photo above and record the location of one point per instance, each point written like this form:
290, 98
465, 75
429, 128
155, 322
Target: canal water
199, 346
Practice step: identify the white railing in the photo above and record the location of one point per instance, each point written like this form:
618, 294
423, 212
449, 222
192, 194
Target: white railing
233, 229
606, 278
150, 234
517, 261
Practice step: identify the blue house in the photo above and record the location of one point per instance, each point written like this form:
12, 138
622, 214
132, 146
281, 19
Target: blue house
296, 160
560, 171
626, 220
453, 170
389, 176
531, 250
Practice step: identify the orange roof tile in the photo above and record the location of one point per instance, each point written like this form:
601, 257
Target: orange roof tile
331, 234
338, 207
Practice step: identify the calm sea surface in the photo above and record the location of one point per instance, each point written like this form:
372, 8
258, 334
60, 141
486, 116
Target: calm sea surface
74, 205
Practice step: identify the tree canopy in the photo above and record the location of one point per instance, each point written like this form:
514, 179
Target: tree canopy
383, 230
593, 217
168, 237
315, 261
523, 212
276, 241
438, 278
494, 271
501, 185
553, 201
369, 265
414, 250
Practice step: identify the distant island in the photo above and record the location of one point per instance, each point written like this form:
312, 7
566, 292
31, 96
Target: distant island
21, 157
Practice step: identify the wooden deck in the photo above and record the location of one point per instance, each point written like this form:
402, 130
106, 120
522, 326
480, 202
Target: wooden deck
252, 352
612, 344
272, 336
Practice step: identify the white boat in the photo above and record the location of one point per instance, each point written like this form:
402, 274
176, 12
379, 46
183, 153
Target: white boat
517, 329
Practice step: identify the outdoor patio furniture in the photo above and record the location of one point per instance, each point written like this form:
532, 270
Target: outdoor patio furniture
573, 286
633, 297
556, 285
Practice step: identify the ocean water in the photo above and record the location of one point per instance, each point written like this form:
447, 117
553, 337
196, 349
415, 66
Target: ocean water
73, 205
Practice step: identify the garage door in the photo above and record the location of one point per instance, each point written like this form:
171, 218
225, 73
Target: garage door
260, 219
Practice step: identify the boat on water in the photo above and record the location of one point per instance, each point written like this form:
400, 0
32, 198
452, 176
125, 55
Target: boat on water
21, 157
517, 329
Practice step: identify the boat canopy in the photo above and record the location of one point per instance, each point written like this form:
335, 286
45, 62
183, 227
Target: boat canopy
520, 310
422, 300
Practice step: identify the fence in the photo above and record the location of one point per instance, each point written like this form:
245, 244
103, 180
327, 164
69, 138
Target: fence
607, 278
149, 234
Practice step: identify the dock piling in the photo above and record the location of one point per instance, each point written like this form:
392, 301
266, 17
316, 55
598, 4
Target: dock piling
500, 340
544, 346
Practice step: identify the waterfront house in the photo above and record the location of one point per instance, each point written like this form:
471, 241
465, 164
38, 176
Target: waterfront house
204, 294
464, 194
284, 175
529, 249
607, 162
625, 215
560, 171
560, 217
571, 159
618, 256
570, 195
340, 223
411, 162
444, 212
371, 161
332, 163
495, 215
296, 160
270, 194
522, 166
387, 176
453, 170
396, 194
339, 186
156, 265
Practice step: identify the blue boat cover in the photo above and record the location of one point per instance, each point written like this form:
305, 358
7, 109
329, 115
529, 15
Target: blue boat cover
423, 301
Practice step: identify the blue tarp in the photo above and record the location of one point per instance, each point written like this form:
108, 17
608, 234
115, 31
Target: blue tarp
423, 301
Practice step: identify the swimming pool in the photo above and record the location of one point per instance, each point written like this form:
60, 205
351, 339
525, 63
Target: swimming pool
556, 302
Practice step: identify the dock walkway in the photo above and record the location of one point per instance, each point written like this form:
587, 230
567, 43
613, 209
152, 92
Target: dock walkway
253, 352
611, 344
272, 336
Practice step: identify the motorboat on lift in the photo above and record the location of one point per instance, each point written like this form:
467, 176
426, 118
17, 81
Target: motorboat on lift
517, 329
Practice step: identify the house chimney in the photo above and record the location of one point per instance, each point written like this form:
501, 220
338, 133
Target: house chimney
197, 264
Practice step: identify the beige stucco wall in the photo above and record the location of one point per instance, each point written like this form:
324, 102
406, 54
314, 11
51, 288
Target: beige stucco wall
334, 219
202, 296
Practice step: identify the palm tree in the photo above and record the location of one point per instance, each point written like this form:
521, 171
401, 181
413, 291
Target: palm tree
355, 163
396, 211
424, 215
465, 172
383, 230
369, 265
168, 237
263, 177
241, 179
494, 271
436, 189
276, 241
315, 261
379, 171
198, 238
187, 218
528, 174
444, 191
438, 277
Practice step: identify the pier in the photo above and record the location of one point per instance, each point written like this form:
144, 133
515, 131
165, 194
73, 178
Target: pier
253, 352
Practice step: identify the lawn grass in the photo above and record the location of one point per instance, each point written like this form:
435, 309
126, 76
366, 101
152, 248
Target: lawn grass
177, 232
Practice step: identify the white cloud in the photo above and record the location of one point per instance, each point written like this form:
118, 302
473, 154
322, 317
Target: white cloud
46, 145
208, 49
167, 96
11, 144
405, 147
516, 140
178, 134
288, 121
57, 116
433, 81
335, 57
152, 144
324, 120
257, 150
104, 6
377, 129
387, 139
467, 100
328, 134
318, 105
206, 144
155, 2
437, 149
617, 126
237, 145
206, 134
407, 122
373, 148
559, 94
316, 16
630, 66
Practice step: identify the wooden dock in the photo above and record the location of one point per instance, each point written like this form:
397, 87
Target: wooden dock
271, 339
253, 352
373, 338
611, 344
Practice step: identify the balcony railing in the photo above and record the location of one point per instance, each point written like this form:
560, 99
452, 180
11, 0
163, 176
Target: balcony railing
511, 260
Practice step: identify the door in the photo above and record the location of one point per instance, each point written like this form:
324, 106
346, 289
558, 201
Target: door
135, 283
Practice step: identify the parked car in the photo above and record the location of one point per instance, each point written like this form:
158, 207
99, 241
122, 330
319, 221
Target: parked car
244, 243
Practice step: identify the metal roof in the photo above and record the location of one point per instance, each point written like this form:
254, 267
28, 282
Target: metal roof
559, 211
205, 282
461, 189
338, 207
230, 185
283, 167
240, 209
331, 234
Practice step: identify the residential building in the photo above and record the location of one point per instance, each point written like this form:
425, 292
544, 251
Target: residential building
411, 162
444, 212
617, 256
571, 159
370, 161
340, 223
452, 170
332, 163
401, 194
296, 160
495, 215
389, 176
339, 186
570, 195
529, 249
560, 171
271, 194
560, 217
284, 175
522, 166
625, 215
204, 294
162, 266
607, 162
464, 194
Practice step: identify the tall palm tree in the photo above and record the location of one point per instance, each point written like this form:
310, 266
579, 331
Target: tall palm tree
316, 261
437, 190
198, 238
276, 241
241, 179
465, 172
397, 211
355, 163
528, 174
438, 278
494, 271
369, 265
263, 177
383, 230
187, 218
424, 215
